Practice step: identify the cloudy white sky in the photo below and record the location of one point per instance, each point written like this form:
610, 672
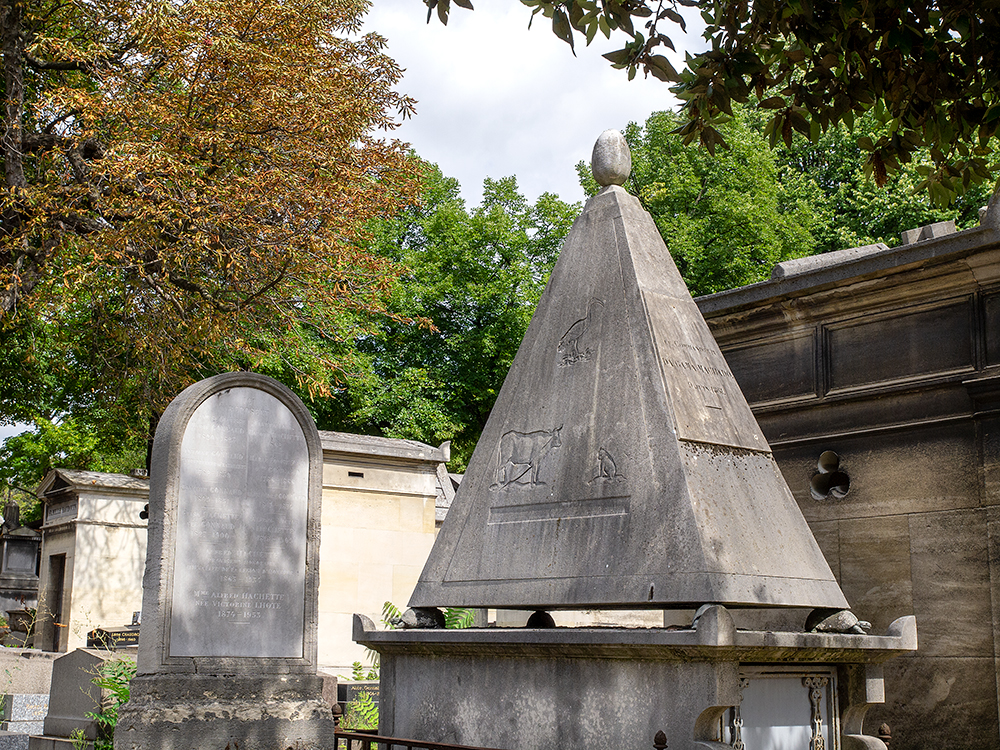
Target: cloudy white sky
495, 99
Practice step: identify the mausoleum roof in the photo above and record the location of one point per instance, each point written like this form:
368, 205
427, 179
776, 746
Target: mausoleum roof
923, 245
371, 445
58, 480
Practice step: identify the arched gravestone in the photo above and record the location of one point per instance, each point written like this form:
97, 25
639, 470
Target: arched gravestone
230, 589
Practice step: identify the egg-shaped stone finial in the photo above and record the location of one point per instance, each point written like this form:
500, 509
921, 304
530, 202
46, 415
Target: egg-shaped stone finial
612, 159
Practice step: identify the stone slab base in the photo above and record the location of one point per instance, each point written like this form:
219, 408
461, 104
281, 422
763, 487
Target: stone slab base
41, 742
181, 712
615, 688
23, 727
13, 741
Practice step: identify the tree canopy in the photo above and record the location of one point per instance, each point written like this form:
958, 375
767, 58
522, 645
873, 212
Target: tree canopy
929, 71
476, 275
187, 189
727, 219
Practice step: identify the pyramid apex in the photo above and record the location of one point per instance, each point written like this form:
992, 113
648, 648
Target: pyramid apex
612, 160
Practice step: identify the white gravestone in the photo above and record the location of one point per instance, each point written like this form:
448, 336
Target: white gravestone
240, 560
227, 649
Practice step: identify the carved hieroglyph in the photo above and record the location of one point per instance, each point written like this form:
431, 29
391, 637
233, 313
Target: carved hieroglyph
621, 465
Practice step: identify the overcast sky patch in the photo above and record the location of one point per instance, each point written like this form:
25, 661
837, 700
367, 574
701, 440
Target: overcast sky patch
495, 99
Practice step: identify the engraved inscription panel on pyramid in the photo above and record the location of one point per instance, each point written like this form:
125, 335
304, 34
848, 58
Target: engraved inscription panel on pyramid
621, 465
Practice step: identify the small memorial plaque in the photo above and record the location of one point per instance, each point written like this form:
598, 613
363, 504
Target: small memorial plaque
242, 506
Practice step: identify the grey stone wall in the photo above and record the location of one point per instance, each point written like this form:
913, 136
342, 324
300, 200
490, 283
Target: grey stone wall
893, 364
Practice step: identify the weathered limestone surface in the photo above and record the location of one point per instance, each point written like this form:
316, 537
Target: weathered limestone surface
603, 687
621, 466
891, 360
227, 650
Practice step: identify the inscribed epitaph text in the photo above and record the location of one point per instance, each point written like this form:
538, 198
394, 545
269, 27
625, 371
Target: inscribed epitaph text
242, 503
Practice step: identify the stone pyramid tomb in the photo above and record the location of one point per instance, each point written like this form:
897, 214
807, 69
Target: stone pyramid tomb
621, 466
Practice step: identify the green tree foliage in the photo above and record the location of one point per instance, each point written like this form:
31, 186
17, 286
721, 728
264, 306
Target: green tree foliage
477, 276
725, 219
25, 459
833, 177
929, 71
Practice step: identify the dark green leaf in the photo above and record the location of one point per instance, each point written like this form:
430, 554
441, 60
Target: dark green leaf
619, 57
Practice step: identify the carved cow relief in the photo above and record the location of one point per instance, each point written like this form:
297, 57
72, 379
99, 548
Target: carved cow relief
520, 454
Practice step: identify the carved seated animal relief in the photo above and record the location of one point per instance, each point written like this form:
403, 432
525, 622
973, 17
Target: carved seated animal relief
520, 455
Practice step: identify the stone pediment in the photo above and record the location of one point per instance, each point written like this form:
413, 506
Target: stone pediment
621, 466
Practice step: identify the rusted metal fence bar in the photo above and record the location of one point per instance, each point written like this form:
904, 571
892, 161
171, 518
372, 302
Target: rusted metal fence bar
362, 741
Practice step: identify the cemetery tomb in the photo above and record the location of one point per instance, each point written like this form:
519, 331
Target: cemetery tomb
227, 647
621, 468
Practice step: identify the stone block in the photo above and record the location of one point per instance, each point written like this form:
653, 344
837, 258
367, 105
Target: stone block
415, 513
339, 588
378, 580
812, 263
875, 569
368, 511
595, 687
827, 534
404, 579
179, 712
951, 581
925, 469
931, 231
73, 694
26, 671
36, 742
23, 727
939, 697
25, 706
13, 741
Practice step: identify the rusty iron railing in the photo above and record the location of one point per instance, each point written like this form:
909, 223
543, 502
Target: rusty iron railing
347, 740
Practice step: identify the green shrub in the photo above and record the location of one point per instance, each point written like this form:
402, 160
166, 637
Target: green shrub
113, 676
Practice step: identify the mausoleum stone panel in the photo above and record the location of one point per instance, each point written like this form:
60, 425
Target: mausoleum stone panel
949, 561
899, 346
991, 326
756, 366
916, 470
910, 357
874, 567
952, 698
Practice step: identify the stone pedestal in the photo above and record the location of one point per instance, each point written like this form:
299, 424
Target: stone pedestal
182, 712
593, 688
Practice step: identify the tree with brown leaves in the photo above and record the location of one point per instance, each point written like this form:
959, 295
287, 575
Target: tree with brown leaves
187, 185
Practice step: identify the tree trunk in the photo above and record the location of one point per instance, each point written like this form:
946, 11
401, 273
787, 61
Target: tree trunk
13, 69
